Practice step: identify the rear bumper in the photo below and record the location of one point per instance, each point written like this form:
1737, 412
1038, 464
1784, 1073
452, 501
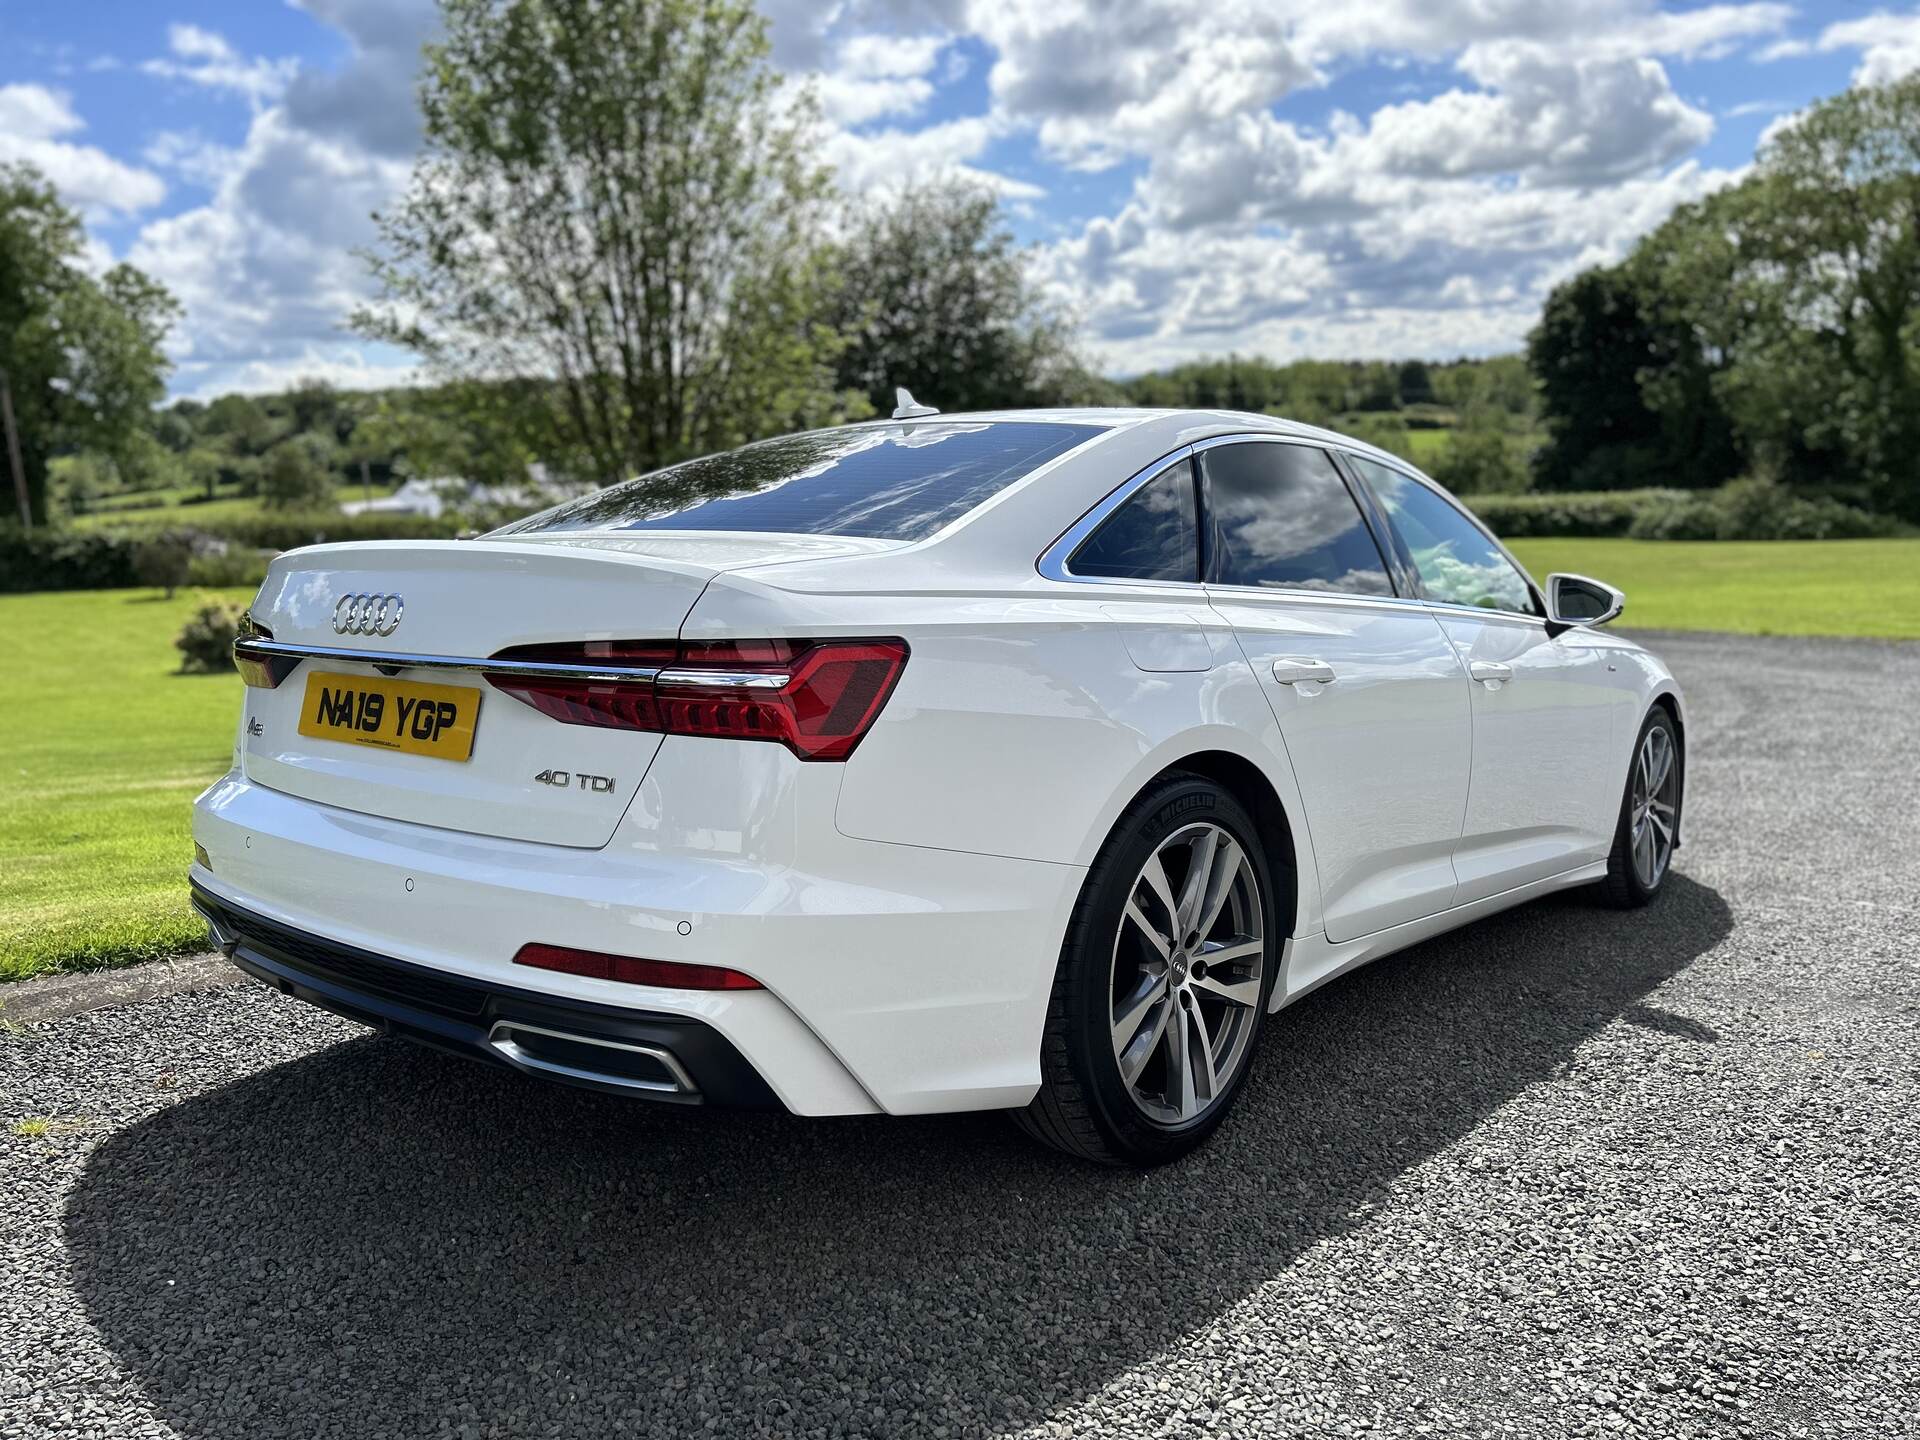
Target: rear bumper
625, 1052
896, 978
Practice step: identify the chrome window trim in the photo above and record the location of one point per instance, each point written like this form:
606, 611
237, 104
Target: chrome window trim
1407, 471
1259, 437
1485, 612
1325, 597
255, 648
1052, 563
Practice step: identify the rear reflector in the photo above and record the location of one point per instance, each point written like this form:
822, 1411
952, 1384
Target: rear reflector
668, 974
816, 697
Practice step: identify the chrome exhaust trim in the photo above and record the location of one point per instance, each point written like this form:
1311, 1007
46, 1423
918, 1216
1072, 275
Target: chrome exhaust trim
500, 1041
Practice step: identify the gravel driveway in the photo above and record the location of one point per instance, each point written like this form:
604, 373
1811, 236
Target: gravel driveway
1565, 1172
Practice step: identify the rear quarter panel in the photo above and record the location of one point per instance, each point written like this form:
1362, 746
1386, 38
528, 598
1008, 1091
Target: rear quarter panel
1024, 722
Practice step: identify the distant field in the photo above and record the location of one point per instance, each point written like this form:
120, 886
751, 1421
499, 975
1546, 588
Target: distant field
106, 748
1805, 587
173, 512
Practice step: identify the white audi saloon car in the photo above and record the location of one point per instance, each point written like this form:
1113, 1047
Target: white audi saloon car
1023, 761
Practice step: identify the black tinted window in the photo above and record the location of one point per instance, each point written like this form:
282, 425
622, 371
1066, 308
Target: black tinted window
1153, 536
891, 482
1281, 515
1456, 561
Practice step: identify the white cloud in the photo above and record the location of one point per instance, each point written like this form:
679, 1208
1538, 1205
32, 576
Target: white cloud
200, 57
33, 117
369, 101
266, 267
1391, 266
1573, 120
33, 112
878, 75
190, 156
879, 160
1100, 82
1432, 29
1889, 45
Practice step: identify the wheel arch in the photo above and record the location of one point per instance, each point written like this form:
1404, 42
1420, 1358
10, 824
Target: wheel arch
1248, 783
1669, 700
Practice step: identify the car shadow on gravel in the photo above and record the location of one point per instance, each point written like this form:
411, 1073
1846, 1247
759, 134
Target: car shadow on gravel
378, 1239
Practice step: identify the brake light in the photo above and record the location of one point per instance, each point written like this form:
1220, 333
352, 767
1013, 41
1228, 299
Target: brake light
816, 697
261, 672
628, 970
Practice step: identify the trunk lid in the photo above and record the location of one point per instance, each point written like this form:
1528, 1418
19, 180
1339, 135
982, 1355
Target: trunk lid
470, 600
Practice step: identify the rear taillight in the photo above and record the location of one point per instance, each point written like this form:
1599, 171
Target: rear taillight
628, 970
816, 697
262, 672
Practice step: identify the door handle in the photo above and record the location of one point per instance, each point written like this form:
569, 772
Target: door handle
1490, 671
1290, 670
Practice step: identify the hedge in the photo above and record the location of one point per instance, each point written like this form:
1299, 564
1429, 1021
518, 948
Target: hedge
56, 559
1749, 509
64, 560
1580, 512
273, 530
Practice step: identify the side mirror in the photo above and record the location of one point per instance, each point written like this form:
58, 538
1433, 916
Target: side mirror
1576, 600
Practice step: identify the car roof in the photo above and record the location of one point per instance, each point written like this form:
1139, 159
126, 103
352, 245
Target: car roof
1191, 423
1195, 424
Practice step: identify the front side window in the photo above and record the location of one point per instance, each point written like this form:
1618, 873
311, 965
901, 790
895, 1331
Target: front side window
890, 482
1456, 561
1280, 515
1153, 536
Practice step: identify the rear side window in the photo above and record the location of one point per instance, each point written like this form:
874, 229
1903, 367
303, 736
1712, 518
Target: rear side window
1153, 536
1458, 564
888, 482
1282, 516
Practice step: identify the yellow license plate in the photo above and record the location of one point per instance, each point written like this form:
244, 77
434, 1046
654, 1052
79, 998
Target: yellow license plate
434, 720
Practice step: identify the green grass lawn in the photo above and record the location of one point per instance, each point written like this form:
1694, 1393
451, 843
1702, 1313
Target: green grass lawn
1806, 587
106, 748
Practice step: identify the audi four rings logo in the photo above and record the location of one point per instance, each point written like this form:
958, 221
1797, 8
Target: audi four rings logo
367, 614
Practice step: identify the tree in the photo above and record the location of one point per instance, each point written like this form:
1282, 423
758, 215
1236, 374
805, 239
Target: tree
1499, 385
613, 196
1479, 461
204, 464
934, 295
1415, 383
297, 474
81, 355
76, 481
466, 431
1625, 390
1805, 277
163, 561
242, 423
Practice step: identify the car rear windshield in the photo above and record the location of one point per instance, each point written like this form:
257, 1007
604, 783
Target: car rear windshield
890, 482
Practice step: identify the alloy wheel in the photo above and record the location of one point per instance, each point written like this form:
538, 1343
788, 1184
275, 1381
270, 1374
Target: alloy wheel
1189, 959
1656, 783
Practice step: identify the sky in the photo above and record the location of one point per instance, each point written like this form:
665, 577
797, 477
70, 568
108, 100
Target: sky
1286, 178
